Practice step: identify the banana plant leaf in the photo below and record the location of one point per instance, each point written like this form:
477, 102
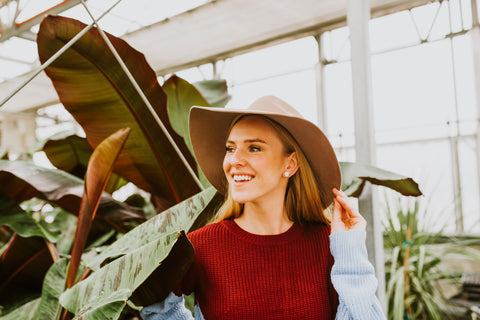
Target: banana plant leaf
126, 274
21, 222
187, 215
355, 175
181, 96
148, 261
23, 265
105, 308
53, 286
71, 154
99, 170
26, 312
23, 180
214, 91
95, 90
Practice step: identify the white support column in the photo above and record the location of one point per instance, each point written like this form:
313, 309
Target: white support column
475, 37
358, 17
320, 88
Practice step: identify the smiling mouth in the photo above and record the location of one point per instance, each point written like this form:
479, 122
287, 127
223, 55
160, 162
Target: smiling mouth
242, 178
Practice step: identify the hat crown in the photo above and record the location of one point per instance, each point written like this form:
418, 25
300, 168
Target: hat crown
272, 104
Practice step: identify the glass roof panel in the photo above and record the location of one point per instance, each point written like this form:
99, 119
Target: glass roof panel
18, 56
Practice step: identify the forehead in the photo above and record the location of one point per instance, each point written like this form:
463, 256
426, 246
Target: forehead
253, 127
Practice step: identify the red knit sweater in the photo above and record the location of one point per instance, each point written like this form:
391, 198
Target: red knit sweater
239, 275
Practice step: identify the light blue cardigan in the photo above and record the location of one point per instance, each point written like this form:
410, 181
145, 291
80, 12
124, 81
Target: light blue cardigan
352, 275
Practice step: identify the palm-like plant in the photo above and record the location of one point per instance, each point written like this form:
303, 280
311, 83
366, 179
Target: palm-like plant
412, 268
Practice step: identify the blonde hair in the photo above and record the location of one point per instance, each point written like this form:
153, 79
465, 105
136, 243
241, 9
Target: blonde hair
302, 197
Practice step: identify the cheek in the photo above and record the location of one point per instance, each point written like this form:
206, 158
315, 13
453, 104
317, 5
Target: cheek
226, 165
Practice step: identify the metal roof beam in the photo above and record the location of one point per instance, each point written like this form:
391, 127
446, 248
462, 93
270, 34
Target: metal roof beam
22, 30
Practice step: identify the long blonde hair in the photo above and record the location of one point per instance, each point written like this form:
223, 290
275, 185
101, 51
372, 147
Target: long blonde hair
302, 197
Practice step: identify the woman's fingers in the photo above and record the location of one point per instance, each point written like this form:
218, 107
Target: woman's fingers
337, 219
349, 215
345, 203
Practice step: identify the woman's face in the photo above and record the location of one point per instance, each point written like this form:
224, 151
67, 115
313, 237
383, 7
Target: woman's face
255, 161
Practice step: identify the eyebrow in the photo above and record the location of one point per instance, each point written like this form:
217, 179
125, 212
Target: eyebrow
257, 140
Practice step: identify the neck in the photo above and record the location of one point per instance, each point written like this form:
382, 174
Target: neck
264, 220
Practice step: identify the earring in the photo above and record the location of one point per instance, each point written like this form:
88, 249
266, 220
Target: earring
286, 174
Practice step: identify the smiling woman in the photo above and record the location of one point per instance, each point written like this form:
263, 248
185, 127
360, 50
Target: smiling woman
272, 252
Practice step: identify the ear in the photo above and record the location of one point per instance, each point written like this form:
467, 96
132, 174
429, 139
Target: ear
292, 163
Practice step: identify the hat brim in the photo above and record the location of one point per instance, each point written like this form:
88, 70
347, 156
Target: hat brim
209, 131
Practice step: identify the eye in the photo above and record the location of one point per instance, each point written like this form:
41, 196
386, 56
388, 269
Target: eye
229, 149
255, 149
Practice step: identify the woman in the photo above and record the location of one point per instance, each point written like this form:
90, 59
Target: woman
268, 254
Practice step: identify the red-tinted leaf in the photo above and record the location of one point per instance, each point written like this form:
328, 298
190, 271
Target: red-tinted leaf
99, 170
24, 263
96, 91
21, 181
71, 154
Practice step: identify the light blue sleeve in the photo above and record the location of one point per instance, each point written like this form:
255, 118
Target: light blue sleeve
353, 277
172, 308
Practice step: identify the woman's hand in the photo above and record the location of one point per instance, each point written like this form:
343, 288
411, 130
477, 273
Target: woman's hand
345, 215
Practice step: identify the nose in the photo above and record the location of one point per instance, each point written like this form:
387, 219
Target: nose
236, 158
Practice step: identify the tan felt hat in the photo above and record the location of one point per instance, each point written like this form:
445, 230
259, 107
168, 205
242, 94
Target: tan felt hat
209, 130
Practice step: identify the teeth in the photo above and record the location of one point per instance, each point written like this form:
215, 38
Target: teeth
242, 178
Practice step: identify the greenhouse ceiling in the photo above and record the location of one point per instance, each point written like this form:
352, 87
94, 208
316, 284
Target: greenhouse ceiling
172, 37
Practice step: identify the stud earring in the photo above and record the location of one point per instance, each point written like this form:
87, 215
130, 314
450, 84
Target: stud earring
286, 174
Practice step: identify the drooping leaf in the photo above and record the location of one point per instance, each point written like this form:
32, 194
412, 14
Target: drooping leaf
187, 215
95, 90
150, 259
108, 307
23, 180
20, 221
53, 286
99, 170
127, 273
23, 264
26, 312
214, 91
181, 96
68, 153
71, 154
355, 175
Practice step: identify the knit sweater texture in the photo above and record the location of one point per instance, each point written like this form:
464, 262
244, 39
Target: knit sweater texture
239, 275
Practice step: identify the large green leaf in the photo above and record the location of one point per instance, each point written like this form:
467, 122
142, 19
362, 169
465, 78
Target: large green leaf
21, 222
127, 273
187, 215
53, 286
95, 90
355, 175
181, 96
26, 312
99, 170
23, 180
214, 91
71, 154
149, 260
108, 307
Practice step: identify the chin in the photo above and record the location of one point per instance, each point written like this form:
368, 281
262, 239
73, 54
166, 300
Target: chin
241, 198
